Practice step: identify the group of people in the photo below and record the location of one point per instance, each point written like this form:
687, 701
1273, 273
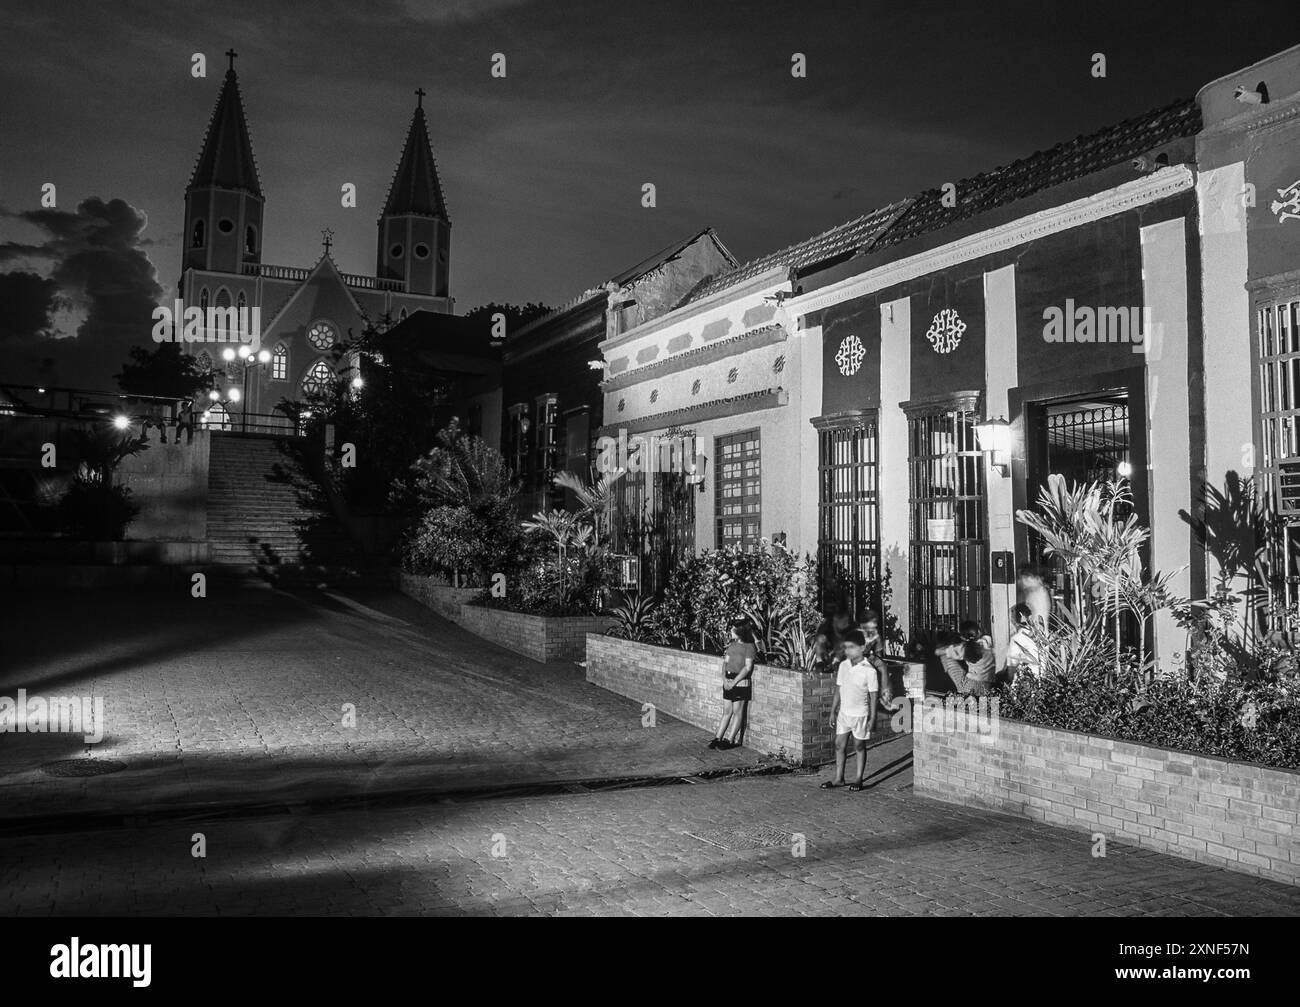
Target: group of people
853, 650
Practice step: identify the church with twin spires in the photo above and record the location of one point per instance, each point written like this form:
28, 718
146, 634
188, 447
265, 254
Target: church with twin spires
305, 312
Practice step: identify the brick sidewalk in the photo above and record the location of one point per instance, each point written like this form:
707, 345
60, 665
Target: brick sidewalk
238, 697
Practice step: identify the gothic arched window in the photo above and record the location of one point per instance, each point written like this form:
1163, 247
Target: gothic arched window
222, 300
197, 238
203, 301
242, 302
401, 315
250, 240
280, 362
318, 377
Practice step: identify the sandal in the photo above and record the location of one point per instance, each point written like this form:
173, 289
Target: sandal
830, 785
856, 787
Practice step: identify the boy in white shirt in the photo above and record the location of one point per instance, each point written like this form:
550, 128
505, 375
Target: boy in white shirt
854, 707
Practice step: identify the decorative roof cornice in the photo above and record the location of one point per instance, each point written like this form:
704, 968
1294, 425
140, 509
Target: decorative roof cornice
717, 350
767, 398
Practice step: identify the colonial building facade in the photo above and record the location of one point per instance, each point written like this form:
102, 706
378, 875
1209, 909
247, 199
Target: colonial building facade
553, 369
1248, 193
305, 312
1085, 308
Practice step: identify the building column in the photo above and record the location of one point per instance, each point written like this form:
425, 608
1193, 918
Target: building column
809, 342
1164, 291
1000, 375
895, 505
1230, 438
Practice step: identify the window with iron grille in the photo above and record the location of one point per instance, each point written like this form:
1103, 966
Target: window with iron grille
546, 452
949, 545
1085, 440
738, 488
848, 512
1278, 343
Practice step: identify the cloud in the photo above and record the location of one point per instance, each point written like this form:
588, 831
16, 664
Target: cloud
96, 270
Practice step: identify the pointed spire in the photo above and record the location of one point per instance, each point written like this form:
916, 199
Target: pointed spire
227, 159
416, 189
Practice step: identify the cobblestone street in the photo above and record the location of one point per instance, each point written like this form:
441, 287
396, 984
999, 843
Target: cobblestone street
240, 696
883, 852
231, 703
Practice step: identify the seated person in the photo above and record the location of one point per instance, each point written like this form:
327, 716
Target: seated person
830, 637
1022, 651
967, 657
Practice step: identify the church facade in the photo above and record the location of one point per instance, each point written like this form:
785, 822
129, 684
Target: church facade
305, 312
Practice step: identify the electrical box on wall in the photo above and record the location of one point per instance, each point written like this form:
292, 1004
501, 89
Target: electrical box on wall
1004, 568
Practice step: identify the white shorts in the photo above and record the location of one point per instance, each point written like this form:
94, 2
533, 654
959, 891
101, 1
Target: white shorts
859, 727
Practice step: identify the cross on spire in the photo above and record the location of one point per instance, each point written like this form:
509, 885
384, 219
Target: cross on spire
419, 97
327, 239
232, 54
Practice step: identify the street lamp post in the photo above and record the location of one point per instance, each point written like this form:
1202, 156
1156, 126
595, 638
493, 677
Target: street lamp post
250, 361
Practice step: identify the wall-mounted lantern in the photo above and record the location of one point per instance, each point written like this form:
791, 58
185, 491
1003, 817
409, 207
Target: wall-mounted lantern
995, 441
695, 472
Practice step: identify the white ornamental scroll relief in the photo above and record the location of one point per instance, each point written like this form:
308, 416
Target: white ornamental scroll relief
850, 355
1289, 203
945, 331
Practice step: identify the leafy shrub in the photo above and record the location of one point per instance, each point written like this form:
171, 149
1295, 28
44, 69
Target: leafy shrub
96, 509
1249, 722
467, 522
710, 591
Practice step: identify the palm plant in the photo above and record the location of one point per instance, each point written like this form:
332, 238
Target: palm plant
562, 529
1082, 525
595, 499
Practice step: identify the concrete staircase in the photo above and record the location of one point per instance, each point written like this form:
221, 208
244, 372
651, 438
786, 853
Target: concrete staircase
265, 513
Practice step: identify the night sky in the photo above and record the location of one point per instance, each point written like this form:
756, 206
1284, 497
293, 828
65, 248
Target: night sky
542, 170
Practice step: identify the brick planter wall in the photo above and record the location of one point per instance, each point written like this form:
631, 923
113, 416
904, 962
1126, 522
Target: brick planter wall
790, 709
436, 594
543, 638
540, 637
1235, 815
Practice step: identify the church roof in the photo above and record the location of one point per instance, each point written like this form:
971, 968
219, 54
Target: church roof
226, 160
415, 188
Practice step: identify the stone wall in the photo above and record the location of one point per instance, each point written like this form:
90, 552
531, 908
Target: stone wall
790, 709
169, 480
1235, 815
